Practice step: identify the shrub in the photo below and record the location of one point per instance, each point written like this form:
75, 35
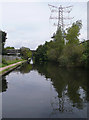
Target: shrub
17, 58
71, 55
63, 60
4, 61
52, 55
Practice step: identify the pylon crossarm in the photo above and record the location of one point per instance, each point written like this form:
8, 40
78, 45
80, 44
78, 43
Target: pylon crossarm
67, 7
53, 6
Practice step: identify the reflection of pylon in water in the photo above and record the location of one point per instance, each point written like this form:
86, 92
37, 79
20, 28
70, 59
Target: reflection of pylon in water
58, 104
53, 101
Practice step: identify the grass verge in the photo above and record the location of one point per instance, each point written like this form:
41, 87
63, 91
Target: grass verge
10, 68
9, 63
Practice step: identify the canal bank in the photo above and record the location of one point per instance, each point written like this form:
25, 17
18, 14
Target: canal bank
9, 68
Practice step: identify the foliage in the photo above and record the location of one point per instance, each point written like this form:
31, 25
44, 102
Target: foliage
85, 56
58, 36
3, 36
25, 52
50, 50
41, 53
70, 54
4, 61
56, 46
9, 48
2, 40
73, 32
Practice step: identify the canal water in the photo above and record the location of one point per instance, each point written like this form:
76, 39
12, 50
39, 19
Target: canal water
45, 91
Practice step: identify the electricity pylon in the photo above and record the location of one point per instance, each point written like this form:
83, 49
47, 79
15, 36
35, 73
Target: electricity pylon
60, 16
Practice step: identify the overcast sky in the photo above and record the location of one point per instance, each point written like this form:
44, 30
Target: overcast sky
27, 23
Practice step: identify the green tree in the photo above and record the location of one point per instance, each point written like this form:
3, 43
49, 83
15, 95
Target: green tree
25, 52
56, 46
41, 53
9, 48
72, 52
58, 35
2, 41
71, 55
73, 32
85, 55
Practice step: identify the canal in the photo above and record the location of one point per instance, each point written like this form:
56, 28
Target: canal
45, 91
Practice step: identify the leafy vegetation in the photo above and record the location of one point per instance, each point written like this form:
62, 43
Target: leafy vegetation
25, 53
66, 50
9, 68
85, 56
2, 41
5, 63
9, 48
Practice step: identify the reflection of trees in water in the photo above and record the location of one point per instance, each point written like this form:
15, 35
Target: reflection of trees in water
25, 68
67, 82
70, 84
3, 84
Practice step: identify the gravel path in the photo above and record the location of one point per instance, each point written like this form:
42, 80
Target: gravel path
3, 68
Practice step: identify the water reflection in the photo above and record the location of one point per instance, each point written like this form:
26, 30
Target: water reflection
3, 84
25, 68
69, 84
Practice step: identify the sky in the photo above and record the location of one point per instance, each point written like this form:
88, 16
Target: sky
27, 23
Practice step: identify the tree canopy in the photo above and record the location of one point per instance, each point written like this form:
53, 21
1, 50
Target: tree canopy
71, 53
2, 41
25, 52
73, 32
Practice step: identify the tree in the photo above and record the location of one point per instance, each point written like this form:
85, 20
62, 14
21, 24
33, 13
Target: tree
2, 41
56, 46
9, 48
58, 35
71, 55
50, 50
25, 52
41, 53
85, 55
73, 32
72, 52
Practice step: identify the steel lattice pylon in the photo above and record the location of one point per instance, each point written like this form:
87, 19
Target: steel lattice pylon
60, 10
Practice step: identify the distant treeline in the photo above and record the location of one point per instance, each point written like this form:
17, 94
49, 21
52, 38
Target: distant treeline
25, 52
65, 49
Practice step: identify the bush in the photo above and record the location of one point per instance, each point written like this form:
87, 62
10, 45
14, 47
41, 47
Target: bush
52, 55
71, 55
4, 61
17, 58
63, 60
85, 56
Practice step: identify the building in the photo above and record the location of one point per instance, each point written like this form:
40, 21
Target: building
15, 52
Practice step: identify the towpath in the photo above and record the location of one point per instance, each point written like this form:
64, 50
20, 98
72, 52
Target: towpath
3, 68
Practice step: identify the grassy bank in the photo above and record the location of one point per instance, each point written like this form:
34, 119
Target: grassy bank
6, 63
10, 68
